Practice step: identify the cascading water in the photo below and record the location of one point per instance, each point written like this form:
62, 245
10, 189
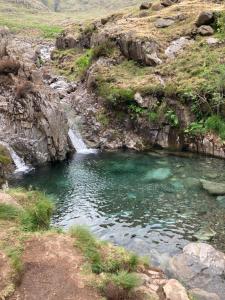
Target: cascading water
21, 167
79, 144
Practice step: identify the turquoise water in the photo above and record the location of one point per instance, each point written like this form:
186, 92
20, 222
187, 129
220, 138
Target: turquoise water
150, 203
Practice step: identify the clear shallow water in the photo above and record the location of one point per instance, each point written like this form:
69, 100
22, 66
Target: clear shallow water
148, 203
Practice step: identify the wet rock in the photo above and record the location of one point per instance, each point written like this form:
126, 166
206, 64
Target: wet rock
163, 23
213, 188
204, 234
145, 5
177, 46
205, 18
221, 201
175, 291
205, 30
200, 294
158, 174
200, 266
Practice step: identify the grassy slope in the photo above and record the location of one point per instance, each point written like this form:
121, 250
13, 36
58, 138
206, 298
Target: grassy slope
28, 20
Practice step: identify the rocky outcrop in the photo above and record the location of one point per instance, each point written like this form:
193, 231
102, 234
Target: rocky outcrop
201, 266
31, 120
139, 50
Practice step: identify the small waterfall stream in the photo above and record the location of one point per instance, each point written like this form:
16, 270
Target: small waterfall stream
79, 144
21, 167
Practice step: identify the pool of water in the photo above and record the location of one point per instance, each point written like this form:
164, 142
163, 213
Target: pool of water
151, 203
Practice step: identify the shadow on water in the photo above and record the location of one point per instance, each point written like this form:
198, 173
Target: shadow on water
145, 202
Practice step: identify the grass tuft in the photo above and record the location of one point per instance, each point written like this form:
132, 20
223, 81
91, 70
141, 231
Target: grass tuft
8, 212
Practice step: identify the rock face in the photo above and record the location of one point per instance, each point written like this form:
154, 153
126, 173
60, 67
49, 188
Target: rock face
31, 120
139, 50
201, 266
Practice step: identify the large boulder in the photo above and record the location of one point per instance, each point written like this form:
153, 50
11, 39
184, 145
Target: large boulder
163, 23
205, 30
174, 290
205, 18
200, 266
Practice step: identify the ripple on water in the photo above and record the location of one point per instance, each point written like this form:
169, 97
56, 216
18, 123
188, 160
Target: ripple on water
140, 201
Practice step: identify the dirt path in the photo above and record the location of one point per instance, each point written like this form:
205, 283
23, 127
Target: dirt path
52, 270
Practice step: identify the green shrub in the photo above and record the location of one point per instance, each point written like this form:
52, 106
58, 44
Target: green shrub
153, 116
8, 212
172, 118
38, 215
195, 128
126, 280
217, 125
220, 24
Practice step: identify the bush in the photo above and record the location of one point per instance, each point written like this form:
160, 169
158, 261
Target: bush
217, 125
220, 24
38, 215
172, 118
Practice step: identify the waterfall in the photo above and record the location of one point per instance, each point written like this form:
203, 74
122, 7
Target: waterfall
21, 167
79, 144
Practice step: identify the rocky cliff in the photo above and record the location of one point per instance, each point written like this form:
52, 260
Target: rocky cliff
31, 120
150, 77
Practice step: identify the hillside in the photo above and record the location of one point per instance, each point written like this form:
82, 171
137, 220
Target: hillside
160, 70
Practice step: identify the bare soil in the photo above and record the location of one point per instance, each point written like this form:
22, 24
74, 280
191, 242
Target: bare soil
53, 270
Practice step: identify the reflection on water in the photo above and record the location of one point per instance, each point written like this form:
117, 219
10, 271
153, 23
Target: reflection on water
145, 202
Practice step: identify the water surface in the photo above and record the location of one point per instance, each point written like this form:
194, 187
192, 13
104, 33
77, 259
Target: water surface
149, 203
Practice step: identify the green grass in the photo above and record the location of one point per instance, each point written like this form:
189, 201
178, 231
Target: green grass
36, 213
5, 158
37, 216
84, 61
126, 280
217, 125
8, 212
14, 255
101, 256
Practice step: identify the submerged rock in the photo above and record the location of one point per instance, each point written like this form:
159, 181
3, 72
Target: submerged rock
200, 294
204, 234
158, 174
214, 188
